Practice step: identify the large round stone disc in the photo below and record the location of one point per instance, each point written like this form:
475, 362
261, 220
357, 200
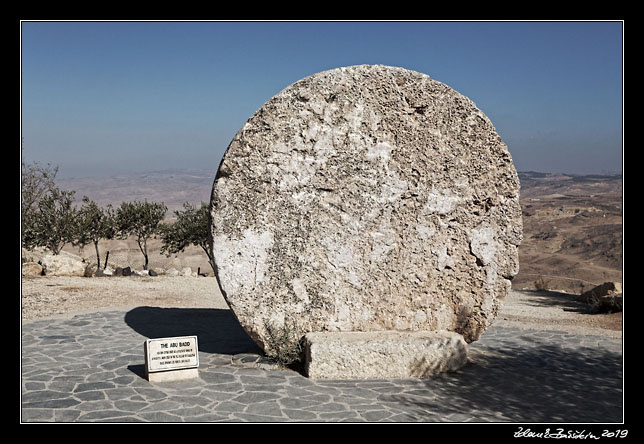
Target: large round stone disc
366, 198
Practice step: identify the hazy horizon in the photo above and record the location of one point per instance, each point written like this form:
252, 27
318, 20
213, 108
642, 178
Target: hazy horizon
209, 172
100, 99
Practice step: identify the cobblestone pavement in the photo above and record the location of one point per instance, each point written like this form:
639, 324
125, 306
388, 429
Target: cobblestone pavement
90, 368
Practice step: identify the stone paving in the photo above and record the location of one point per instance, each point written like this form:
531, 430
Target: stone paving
90, 369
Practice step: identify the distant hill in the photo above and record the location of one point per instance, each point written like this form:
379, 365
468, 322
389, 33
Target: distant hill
539, 184
572, 230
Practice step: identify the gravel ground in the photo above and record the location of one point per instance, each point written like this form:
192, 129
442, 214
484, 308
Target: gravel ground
550, 310
47, 297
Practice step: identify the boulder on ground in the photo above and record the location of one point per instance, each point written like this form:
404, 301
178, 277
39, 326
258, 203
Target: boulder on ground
604, 298
611, 303
31, 269
605, 289
123, 271
63, 264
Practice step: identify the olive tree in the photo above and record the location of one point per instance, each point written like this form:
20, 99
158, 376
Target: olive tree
94, 223
191, 227
142, 220
36, 183
52, 222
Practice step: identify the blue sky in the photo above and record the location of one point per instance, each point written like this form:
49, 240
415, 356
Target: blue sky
103, 98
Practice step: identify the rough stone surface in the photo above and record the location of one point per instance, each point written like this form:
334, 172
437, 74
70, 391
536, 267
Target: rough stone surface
384, 354
366, 198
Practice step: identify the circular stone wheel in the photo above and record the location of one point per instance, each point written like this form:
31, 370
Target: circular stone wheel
365, 198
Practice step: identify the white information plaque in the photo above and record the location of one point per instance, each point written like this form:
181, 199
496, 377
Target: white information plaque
176, 353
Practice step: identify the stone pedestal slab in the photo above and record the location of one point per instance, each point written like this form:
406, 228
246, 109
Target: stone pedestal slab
383, 354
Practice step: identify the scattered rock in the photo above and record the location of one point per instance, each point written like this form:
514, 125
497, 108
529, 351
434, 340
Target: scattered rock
91, 269
605, 289
605, 298
187, 272
62, 264
366, 198
610, 303
31, 269
152, 273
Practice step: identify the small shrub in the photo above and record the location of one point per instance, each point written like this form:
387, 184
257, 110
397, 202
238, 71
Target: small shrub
286, 346
541, 284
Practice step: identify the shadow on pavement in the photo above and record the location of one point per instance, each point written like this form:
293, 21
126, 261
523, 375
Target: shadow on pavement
542, 383
217, 331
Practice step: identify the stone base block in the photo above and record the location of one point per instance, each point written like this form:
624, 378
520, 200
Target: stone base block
173, 375
383, 354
